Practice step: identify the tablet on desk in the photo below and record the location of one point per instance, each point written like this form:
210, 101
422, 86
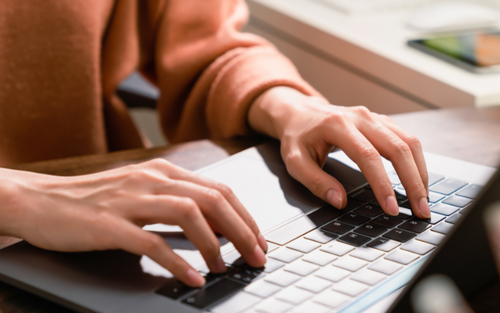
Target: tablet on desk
477, 52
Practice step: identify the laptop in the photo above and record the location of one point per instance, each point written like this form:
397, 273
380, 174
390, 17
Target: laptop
320, 259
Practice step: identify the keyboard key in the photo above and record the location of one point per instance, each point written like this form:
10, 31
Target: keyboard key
303, 225
332, 274
435, 197
349, 263
213, 293
271, 247
386, 221
394, 178
272, 265
235, 304
369, 210
385, 267
434, 178
281, 278
363, 195
301, 268
310, 306
402, 257
337, 248
337, 227
367, 254
414, 225
285, 255
355, 239
294, 295
262, 289
273, 306
351, 205
444, 209
435, 218
331, 299
430, 237
417, 247
350, 287
470, 191
248, 274
319, 258
354, 219
453, 219
404, 212
371, 230
383, 244
320, 236
302, 245
210, 277
368, 277
457, 201
174, 289
400, 197
314, 284
399, 235
447, 186
442, 228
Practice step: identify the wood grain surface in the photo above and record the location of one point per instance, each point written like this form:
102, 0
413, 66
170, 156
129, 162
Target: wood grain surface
468, 134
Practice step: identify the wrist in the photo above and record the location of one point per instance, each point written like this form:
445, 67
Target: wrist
275, 110
12, 197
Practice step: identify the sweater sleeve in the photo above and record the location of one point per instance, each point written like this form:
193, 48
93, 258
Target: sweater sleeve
209, 72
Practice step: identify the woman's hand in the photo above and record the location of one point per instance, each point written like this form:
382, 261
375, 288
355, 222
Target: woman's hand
308, 128
107, 210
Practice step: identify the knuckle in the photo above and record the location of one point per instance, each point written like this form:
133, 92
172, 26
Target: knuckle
362, 110
413, 141
224, 189
188, 209
368, 153
292, 157
335, 118
401, 148
214, 197
152, 244
159, 162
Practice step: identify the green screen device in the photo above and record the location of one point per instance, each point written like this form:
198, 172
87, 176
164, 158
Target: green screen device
477, 52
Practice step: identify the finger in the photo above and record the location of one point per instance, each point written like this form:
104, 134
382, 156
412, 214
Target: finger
185, 213
399, 153
135, 240
302, 166
415, 147
362, 152
185, 175
223, 216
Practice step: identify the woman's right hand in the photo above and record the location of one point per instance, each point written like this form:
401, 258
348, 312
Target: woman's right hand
107, 210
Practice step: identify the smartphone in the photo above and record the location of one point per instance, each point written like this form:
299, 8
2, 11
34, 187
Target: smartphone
477, 52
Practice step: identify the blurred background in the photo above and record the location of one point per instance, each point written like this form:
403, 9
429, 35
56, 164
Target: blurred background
392, 56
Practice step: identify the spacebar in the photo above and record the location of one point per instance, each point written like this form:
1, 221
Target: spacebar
213, 293
303, 225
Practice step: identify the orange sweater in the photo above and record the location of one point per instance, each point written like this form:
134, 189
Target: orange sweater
61, 62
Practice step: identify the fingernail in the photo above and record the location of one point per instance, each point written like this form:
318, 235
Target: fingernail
334, 198
423, 206
259, 255
195, 278
262, 243
219, 265
392, 206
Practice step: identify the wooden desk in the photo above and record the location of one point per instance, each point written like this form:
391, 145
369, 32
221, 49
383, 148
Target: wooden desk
468, 134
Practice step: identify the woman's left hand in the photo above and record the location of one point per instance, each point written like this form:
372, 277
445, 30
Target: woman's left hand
309, 127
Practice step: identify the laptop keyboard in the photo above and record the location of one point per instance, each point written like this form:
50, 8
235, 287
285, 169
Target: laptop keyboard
326, 260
